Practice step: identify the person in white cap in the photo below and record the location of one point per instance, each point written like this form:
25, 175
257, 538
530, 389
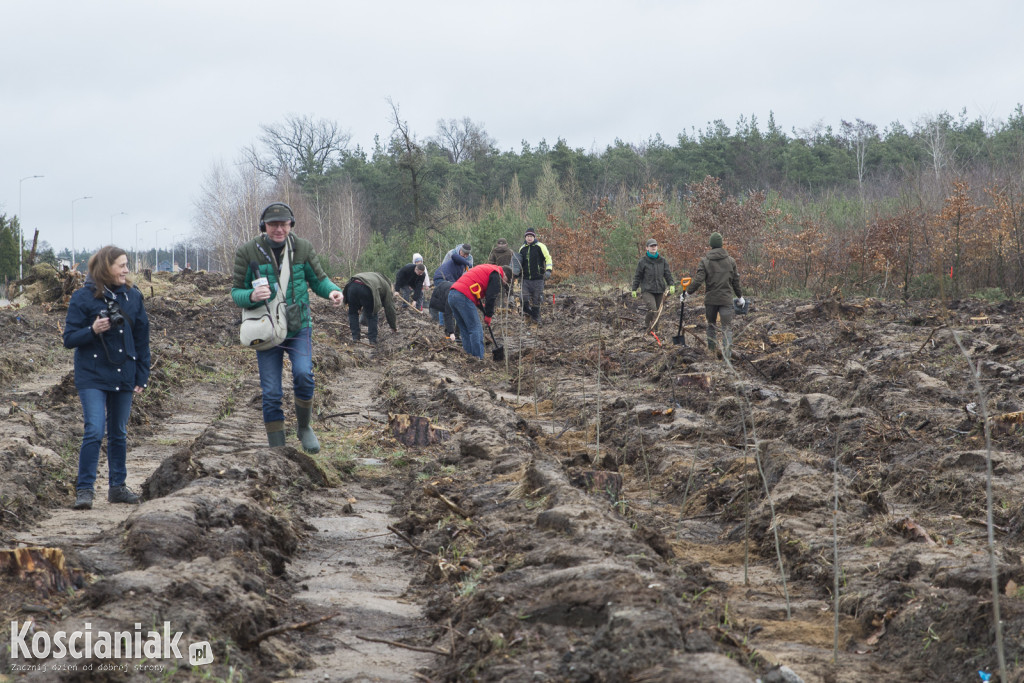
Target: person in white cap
418, 258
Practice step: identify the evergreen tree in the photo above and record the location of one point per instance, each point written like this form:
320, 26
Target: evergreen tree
8, 248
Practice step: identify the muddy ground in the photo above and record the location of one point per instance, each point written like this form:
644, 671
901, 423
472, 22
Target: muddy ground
596, 507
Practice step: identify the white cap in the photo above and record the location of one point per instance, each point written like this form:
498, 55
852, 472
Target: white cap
417, 258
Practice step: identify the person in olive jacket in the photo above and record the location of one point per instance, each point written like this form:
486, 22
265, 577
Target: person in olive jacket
653, 277
366, 294
108, 328
717, 272
266, 252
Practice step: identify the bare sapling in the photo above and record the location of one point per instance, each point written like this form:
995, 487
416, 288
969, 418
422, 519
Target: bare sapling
752, 440
975, 372
835, 552
598, 430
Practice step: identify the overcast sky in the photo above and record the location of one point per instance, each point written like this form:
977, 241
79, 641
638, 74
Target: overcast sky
132, 102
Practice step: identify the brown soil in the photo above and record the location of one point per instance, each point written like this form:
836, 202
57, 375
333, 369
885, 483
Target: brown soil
682, 527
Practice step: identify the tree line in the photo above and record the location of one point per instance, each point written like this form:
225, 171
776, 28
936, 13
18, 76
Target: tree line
918, 210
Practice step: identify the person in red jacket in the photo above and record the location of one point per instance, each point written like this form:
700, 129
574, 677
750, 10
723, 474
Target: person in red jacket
479, 287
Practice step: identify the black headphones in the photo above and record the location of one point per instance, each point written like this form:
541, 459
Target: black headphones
263, 223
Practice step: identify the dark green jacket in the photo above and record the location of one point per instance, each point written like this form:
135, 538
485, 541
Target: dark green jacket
383, 295
306, 274
717, 270
652, 275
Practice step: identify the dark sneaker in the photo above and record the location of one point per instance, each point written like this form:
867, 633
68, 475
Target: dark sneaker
83, 499
122, 494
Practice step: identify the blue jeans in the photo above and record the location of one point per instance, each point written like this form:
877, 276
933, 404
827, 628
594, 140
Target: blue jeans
271, 364
469, 323
110, 409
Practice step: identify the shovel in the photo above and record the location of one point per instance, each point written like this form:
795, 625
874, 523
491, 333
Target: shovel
680, 338
498, 354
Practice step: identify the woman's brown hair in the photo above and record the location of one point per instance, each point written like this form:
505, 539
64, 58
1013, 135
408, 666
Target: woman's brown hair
101, 265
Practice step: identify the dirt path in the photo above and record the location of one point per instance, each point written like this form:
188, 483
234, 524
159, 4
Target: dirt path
186, 419
351, 565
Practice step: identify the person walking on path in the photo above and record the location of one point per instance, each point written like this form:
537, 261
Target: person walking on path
653, 278
409, 283
717, 272
535, 264
478, 288
274, 245
368, 293
108, 328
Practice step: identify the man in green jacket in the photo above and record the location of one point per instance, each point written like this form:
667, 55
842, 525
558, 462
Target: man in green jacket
653, 276
368, 293
260, 259
717, 271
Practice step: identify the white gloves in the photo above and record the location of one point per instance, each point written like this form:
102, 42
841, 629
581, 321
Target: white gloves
741, 301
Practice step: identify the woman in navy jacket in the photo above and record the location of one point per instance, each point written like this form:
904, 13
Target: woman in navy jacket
108, 328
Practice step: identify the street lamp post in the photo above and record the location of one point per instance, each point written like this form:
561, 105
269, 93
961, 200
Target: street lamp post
73, 230
137, 243
119, 213
156, 249
21, 228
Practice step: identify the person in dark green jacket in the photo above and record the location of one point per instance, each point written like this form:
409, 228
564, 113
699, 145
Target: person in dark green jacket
261, 257
367, 294
717, 271
653, 277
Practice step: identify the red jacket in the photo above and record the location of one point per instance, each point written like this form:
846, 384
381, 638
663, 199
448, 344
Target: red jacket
476, 284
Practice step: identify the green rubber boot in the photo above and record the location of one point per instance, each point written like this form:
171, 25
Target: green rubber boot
275, 433
304, 415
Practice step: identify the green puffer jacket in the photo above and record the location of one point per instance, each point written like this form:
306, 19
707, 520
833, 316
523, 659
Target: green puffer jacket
718, 271
652, 275
306, 274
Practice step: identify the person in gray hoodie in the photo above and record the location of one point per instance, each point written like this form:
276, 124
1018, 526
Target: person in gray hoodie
717, 272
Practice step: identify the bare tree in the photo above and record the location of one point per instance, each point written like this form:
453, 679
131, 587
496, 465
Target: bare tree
858, 136
227, 210
333, 218
411, 156
933, 132
463, 140
300, 147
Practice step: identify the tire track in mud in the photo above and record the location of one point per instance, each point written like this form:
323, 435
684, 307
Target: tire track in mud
351, 565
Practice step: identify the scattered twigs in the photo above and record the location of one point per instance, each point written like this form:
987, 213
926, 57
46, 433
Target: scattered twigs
263, 635
345, 414
408, 540
934, 330
448, 503
415, 648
